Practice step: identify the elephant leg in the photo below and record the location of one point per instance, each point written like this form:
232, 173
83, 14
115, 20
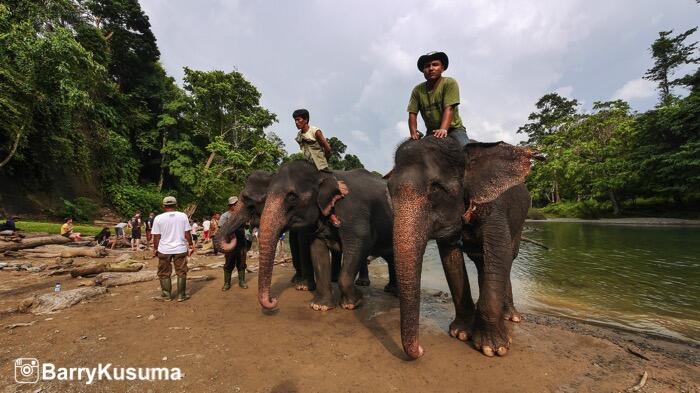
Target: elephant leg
458, 281
391, 287
323, 296
511, 313
355, 253
363, 275
296, 257
336, 259
489, 332
307, 282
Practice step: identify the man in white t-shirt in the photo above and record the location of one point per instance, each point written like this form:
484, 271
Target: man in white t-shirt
172, 242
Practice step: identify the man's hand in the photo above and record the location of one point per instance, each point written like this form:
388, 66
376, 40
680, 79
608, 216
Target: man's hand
441, 133
155, 253
190, 251
415, 135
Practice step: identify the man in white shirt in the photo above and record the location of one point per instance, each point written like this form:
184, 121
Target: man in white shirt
171, 238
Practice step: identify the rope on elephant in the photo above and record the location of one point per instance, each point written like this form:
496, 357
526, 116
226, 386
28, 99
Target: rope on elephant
523, 238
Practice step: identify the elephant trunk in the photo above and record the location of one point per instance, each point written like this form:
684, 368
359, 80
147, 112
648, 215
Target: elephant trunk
271, 224
224, 240
410, 239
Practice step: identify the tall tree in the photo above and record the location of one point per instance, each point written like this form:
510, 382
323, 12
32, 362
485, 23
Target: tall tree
670, 53
553, 110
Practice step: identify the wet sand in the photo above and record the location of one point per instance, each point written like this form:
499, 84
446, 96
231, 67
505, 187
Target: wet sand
222, 341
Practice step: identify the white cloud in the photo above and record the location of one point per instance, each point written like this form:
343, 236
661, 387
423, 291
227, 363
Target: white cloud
354, 70
359, 135
635, 89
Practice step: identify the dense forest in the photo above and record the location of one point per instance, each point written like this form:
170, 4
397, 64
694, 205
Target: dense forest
89, 117
611, 159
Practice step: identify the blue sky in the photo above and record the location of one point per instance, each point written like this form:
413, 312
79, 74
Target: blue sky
352, 63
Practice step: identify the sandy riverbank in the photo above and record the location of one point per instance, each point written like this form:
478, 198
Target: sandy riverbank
222, 341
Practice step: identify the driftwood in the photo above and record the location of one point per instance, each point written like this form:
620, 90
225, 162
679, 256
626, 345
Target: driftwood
67, 252
110, 279
55, 301
640, 385
525, 239
97, 268
33, 242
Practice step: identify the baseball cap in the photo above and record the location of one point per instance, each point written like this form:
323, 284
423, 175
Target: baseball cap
169, 201
232, 200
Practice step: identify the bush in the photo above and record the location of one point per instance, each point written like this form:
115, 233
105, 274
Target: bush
81, 209
535, 214
127, 199
583, 209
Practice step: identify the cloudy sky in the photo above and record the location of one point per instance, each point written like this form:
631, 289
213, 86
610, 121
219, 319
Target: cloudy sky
352, 63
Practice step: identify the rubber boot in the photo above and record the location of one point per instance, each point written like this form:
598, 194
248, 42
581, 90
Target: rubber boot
241, 279
182, 289
227, 280
165, 288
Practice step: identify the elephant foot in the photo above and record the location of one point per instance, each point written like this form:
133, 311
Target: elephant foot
491, 338
297, 278
460, 329
305, 285
512, 314
321, 304
392, 289
349, 303
362, 282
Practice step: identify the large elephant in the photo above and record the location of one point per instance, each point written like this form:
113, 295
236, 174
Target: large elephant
301, 198
470, 200
248, 210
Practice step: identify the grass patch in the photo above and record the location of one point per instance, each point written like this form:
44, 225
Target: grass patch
535, 214
55, 228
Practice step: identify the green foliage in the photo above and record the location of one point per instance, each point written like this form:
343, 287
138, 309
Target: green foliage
669, 54
127, 199
587, 209
55, 228
337, 161
81, 210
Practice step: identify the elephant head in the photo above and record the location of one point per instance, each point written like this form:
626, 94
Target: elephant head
297, 198
432, 184
248, 209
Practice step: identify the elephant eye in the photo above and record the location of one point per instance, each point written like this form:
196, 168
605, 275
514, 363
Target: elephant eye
437, 187
292, 198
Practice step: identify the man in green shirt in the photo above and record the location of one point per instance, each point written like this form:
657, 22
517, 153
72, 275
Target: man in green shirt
437, 100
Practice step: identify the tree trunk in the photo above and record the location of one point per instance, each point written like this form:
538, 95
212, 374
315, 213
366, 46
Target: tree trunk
33, 242
13, 150
615, 202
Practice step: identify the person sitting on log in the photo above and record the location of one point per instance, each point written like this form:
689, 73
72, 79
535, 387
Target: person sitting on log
67, 230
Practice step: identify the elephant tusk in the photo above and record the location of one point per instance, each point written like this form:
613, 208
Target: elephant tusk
469, 214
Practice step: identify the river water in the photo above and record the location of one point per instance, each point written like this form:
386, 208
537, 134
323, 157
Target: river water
639, 277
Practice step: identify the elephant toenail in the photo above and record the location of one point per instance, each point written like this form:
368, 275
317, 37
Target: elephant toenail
463, 336
502, 351
488, 351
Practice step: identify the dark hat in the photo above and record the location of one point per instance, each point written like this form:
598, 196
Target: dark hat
432, 56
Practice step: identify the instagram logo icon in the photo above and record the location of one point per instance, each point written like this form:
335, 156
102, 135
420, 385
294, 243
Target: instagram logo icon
26, 370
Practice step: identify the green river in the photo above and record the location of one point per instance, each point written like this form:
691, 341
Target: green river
644, 278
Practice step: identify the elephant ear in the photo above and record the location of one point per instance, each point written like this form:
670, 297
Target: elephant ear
492, 168
329, 191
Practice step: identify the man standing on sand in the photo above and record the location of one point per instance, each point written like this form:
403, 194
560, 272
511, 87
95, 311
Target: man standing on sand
437, 100
171, 237
236, 257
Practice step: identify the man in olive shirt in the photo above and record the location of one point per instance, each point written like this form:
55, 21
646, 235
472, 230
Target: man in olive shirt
437, 100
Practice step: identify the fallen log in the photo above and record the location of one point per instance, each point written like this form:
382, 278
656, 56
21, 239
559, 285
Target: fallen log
95, 269
68, 252
33, 242
50, 302
109, 279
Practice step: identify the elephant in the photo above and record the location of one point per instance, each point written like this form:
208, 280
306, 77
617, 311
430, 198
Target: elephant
248, 210
469, 200
301, 198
